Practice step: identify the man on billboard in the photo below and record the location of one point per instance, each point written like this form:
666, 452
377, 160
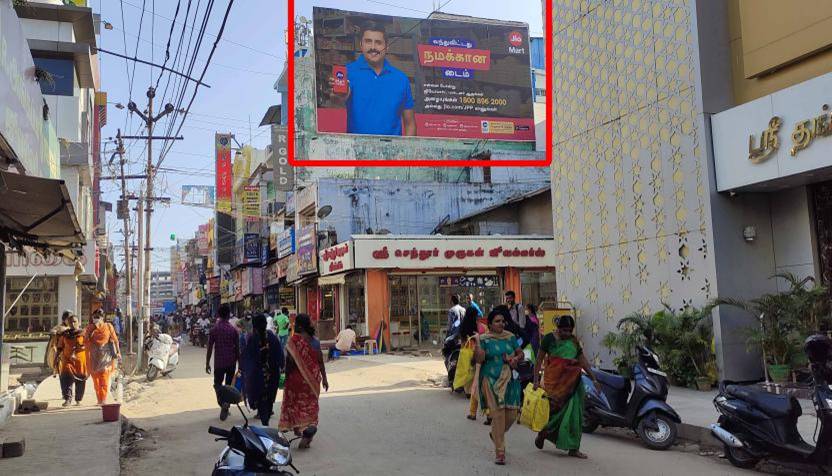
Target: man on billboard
377, 95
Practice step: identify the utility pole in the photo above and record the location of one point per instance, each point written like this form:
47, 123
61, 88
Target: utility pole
125, 209
144, 264
140, 281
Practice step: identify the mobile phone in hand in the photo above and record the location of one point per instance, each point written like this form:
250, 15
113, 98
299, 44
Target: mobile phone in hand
339, 79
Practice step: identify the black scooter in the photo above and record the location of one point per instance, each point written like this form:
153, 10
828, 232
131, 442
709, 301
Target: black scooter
450, 352
252, 449
755, 424
645, 411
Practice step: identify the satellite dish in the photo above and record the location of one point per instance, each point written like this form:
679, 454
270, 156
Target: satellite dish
324, 211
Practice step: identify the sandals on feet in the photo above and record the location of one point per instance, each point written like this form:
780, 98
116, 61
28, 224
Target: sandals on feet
540, 440
577, 454
501, 458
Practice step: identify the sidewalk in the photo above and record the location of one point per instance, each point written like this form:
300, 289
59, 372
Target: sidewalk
697, 412
65, 441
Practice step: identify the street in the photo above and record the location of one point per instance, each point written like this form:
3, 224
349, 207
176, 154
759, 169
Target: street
381, 416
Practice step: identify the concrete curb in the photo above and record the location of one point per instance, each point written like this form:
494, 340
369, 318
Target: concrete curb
699, 435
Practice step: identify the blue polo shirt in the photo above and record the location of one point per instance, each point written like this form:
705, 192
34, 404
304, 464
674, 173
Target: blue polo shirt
376, 101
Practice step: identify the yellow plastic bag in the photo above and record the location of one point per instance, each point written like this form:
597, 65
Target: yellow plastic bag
464, 367
535, 411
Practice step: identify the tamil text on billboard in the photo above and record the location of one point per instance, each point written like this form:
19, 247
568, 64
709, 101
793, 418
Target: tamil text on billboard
223, 172
384, 75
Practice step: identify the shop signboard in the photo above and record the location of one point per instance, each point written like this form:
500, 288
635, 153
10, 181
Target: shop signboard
336, 259
214, 285
448, 78
437, 253
31, 264
273, 274
202, 240
264, 251
251, 202
307, 250
292, 274
251, 248
252, 281
787, 134
286, 242
224, 175
284, 174
199, 195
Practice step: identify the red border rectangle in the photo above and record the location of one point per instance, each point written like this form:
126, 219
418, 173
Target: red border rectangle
290, 97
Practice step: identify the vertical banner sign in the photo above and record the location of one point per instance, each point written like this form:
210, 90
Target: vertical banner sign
251, 247
284, 174
251, 202
223, 172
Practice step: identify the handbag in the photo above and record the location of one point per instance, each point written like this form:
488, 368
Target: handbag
464, 368
535, 411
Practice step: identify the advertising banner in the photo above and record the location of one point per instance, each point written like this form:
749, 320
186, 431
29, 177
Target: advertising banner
200, 195
224, 173
284, 174
202, 240
385, 75
307, 250
251, 202
286, 243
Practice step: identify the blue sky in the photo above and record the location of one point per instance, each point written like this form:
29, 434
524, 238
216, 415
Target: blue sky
242, 73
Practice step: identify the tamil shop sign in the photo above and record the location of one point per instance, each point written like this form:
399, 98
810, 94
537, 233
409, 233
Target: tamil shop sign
31, 264
784, 134
286, 242
487, 252
336, 259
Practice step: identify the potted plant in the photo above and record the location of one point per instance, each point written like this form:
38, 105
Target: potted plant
683, 338
633, 330
784, 320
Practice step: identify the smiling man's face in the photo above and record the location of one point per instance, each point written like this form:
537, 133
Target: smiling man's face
374, 47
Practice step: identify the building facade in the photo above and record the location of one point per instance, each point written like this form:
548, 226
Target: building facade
654, 195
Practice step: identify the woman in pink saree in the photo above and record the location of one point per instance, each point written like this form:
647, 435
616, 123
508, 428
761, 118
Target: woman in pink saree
305, 372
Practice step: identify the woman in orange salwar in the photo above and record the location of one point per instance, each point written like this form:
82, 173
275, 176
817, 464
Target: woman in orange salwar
103, 349
305, 372
72, 361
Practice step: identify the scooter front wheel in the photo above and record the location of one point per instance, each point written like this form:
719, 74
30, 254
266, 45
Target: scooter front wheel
152, 373
657, 431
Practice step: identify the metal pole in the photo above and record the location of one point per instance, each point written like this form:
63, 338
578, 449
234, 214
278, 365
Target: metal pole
140, 280
127, 251
2, 306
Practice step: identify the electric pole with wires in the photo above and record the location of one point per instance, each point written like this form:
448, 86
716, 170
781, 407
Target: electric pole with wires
123, 209
149, 120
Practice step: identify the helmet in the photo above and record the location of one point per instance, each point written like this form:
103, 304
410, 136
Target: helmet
818, 348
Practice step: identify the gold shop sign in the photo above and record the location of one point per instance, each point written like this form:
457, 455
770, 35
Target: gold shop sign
803, 134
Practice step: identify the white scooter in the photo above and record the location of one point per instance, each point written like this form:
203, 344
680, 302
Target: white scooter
162, 355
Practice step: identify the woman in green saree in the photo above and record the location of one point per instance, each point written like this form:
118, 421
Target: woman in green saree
500, 392
561, 354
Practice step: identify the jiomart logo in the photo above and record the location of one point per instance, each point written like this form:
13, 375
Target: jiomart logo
515, 38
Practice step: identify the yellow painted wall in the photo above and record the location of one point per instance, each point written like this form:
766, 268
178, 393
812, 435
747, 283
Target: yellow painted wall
776, 44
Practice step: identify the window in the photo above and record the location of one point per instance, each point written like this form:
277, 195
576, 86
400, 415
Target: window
61, 80
37, 308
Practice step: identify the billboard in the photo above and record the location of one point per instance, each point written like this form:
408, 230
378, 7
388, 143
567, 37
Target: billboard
284, 174
307, 250
200, 195
251, 202
385, 75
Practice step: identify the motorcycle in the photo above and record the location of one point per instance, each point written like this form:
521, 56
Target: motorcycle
252, 449
755, 425
450, 353
645, 410
162, 354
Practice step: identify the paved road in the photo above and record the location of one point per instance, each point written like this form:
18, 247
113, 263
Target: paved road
381, 416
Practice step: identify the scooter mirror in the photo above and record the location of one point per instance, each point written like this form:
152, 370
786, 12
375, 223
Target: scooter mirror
229, 395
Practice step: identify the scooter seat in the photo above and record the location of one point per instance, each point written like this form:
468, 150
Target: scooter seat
616, 382
769, 403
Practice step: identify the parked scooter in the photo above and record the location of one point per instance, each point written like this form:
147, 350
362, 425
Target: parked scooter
450, 352
162, 354
645, 410
754, 424
252, 449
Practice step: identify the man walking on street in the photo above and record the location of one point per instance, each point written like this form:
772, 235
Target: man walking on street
473, 303
281, 321
225, 337
455, 313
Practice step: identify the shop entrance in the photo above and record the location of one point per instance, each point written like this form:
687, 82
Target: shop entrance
419, 304
822, 202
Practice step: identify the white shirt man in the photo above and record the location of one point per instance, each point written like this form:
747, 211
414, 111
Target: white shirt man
345, 340
203, 323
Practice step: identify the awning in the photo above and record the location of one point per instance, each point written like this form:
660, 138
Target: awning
37, 212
